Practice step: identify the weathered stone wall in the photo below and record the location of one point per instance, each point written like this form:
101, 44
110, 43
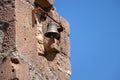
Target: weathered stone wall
25, 52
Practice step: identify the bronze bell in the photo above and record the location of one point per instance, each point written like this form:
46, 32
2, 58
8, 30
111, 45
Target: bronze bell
52, 31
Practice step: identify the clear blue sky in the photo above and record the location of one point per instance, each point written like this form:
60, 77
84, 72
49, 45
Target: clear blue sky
95, 37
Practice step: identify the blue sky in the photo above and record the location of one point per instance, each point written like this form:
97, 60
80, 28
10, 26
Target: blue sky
95, 37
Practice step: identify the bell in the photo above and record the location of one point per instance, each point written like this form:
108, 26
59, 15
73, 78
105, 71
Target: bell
52, 31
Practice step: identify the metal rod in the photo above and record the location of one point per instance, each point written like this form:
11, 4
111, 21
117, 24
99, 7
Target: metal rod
40, 9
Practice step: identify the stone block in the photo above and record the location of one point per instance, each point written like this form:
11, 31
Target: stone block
65, 44
15, 67
51, 45
25, 32
45, 4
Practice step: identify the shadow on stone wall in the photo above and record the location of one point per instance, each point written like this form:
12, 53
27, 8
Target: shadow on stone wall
49, 56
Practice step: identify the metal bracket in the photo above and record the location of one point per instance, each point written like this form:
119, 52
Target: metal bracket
44, 13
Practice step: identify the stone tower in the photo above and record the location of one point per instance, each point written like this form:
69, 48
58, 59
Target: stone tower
25, 52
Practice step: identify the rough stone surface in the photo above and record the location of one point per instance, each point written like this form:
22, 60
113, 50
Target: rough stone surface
1, 39
25, 33
7, 14
45, 4
25, 53
12, 67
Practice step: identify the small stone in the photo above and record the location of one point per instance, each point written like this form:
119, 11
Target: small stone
39, 37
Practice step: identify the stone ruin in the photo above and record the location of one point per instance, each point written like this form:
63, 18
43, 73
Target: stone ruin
25, 52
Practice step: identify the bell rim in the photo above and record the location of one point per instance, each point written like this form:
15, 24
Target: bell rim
55, 34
